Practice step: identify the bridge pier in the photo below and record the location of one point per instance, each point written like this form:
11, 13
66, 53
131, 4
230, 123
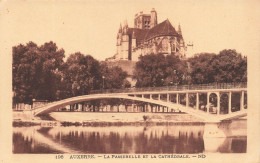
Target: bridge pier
242, 100
216, 133
208, 94
197, 101
211, 129
218, 103
229, 102
187, 100
212, 144
177, 98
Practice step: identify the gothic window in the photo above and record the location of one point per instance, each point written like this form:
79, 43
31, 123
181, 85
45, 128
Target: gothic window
164, 44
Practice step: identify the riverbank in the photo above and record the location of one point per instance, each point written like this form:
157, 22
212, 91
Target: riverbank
104, 119
123, 117
99, 124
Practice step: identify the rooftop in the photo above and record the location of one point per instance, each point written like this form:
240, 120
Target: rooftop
162, 29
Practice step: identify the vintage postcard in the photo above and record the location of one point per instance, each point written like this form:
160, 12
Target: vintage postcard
122, 81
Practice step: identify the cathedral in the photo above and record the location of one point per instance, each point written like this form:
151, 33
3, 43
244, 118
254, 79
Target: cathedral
148, 37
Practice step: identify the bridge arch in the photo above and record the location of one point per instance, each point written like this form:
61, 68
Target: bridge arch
172, 101
58, 104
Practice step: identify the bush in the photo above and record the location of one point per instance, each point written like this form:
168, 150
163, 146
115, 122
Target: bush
145, 117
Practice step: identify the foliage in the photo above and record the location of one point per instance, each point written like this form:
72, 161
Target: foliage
228, 66
36, 72
157, 70
39, 72
200, 67
81, 73
145, 117
177, 71
113, 77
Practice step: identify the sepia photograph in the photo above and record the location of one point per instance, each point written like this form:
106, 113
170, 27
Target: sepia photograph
130, 80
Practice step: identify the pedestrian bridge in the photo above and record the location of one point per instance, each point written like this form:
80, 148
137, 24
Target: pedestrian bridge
211, 105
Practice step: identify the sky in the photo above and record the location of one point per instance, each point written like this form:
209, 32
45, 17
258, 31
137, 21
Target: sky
91, 26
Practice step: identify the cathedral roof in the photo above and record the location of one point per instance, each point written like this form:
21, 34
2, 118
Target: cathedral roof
163, 29
139, 34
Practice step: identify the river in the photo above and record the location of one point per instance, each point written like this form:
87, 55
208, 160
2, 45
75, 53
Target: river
128, 139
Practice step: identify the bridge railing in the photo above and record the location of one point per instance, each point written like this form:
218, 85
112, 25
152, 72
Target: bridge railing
174, 88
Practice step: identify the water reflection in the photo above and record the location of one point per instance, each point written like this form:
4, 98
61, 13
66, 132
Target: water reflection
127, 139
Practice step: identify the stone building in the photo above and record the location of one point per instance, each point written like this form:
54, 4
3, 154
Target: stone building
148, 37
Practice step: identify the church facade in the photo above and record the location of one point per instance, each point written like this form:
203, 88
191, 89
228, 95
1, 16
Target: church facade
148, 37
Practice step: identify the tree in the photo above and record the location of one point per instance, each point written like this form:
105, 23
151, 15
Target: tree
81, 73
176, 70
200, 68
113, 77
36, 71
157, 70
228, 66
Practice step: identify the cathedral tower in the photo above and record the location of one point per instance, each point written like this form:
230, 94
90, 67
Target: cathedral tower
153, 18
